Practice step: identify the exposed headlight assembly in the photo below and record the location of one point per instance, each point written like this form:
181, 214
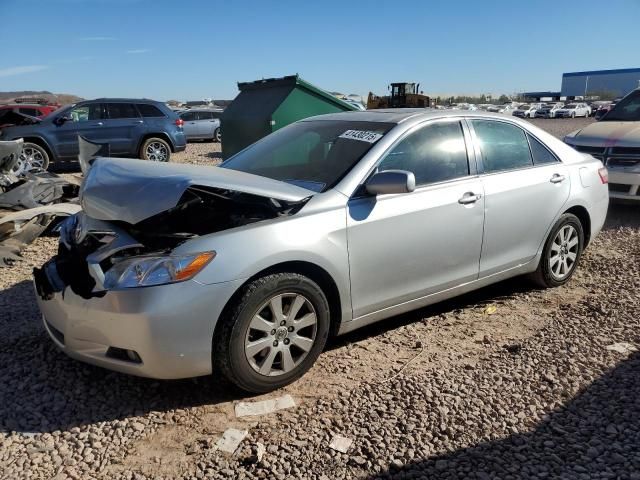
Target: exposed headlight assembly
155, 270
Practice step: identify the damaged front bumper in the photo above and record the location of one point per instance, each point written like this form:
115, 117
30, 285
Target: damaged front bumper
162, 332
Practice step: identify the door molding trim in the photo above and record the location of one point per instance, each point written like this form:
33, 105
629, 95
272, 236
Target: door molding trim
369, 318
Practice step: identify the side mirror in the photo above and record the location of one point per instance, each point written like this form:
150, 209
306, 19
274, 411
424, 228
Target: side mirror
391, 181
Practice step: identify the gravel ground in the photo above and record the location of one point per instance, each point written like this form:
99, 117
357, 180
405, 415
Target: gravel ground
451, 391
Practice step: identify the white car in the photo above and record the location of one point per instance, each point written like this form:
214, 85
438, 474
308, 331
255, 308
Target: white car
527, 110
548, 111
574, 110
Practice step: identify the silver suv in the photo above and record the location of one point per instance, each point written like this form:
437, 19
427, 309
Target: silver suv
202, 124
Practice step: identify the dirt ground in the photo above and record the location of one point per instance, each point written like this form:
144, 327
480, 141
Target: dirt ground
64, 419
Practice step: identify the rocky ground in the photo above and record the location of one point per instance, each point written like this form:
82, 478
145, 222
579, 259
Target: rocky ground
508, 382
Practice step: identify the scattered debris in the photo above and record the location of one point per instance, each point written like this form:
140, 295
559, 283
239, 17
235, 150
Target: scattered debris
257, 453
246, 409
230, 440
513, 348
490, 310
340, 444
622, 347
29, 201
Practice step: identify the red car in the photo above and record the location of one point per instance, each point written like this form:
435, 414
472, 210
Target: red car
33, 110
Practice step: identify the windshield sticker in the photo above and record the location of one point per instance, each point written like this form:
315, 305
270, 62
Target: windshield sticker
363, 136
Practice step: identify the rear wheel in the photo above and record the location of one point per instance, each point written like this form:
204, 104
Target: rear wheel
217, 136
273, 334
155, 149
561, 253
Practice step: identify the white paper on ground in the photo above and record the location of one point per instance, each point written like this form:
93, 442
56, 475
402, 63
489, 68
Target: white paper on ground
230, 440
622, 347
245, 409
340, 443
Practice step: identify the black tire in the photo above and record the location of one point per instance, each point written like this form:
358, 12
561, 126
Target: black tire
543, 276
40, 152
163, 146
228, 349
217, 136
573, 114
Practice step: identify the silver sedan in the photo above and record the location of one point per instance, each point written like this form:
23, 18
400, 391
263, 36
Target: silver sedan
322, 227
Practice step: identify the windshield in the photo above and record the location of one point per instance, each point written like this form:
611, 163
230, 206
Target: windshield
314, 154
627, 110
524, 107
571, 105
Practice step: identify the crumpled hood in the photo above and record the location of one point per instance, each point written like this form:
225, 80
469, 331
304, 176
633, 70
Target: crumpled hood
609, 134
132, 190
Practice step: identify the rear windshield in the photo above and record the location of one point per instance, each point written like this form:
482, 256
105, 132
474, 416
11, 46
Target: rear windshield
627, 110
313, 154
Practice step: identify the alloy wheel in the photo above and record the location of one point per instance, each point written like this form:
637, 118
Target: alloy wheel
157, 152
31, 160
564, 252
281, 334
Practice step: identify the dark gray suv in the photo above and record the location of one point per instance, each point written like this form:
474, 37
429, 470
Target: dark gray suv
133, 128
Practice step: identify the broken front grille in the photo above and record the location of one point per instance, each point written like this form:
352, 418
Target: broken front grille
623, 162
613, 156
591, 150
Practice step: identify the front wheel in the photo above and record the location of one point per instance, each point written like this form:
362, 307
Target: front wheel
573, 115
273, 333
561, 253
33, 158
155, 149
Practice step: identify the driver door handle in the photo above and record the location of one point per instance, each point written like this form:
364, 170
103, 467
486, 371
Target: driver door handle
469, 197
557, 178
100, 123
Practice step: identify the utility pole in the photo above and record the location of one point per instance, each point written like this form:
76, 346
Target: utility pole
586, 86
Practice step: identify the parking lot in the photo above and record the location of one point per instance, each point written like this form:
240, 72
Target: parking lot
508, 382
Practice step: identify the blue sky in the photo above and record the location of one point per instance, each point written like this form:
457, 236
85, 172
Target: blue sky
192, 49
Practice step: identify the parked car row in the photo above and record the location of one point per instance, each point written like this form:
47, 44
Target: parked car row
556, 110
540, 109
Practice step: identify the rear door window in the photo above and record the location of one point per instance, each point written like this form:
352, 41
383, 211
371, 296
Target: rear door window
149, 111
204, 116
541, 154
121, 110
504, 146
29, 111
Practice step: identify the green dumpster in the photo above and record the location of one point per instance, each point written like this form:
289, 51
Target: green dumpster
264, 106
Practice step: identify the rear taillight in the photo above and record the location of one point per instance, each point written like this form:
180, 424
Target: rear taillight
179, 122
604, 175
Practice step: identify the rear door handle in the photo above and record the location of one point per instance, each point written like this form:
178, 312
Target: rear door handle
468, 198
557, 178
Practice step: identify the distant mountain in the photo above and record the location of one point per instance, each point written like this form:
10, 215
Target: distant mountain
61, 98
